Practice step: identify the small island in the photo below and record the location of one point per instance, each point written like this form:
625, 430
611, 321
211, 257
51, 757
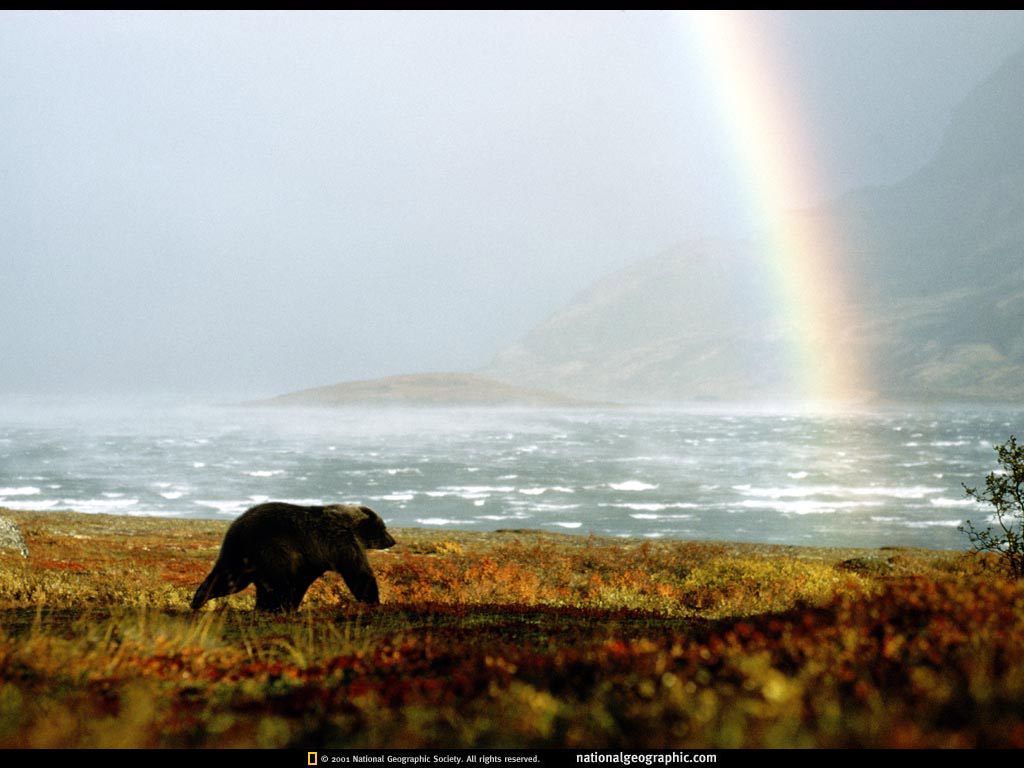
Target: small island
427, 389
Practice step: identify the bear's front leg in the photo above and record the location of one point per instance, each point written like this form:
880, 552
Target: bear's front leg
355, 570
363, 586
349, 559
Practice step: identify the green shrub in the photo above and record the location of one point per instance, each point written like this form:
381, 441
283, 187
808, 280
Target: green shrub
1004, 490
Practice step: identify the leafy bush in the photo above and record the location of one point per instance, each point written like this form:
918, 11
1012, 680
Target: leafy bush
1004, 490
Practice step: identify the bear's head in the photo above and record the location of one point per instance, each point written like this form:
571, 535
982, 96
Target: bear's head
366, 524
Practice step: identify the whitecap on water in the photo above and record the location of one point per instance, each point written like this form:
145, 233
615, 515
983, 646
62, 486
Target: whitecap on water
805, 506
632, 485
33, 505
152, 513
26, 490
99, 506
471, 492
538, 491
652, 516
224, 507
905, 492
943, 502
443, 521
653, 507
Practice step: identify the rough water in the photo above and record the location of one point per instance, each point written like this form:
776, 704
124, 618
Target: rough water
873, 478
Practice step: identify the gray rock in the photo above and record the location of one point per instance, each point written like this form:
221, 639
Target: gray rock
869, 566
10, 537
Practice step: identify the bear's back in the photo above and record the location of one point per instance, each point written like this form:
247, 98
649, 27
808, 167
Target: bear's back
274, 524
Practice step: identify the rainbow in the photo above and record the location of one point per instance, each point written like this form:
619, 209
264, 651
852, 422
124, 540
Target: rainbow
776, 167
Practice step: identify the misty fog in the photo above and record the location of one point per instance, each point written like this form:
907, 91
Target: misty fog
248, 203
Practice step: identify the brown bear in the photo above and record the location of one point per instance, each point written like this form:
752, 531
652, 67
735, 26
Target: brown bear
283, 548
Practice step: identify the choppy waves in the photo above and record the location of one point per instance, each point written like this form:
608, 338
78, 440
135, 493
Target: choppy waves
861, 480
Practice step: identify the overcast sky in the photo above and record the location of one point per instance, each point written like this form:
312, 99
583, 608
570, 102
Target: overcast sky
250, 203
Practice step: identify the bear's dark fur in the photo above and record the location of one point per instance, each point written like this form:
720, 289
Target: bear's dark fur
283, 548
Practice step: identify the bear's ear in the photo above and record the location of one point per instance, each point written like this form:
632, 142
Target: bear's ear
369, 513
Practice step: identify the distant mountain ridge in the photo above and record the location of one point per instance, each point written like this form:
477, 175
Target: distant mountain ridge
935, 266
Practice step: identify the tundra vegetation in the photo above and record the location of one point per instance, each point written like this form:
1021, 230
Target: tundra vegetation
509, 639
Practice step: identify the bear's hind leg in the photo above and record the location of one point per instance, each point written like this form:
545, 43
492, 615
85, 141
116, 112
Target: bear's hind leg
284, 595
298, 591
271, 597
221, 581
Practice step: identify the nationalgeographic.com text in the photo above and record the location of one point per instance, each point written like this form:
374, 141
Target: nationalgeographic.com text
622, 758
